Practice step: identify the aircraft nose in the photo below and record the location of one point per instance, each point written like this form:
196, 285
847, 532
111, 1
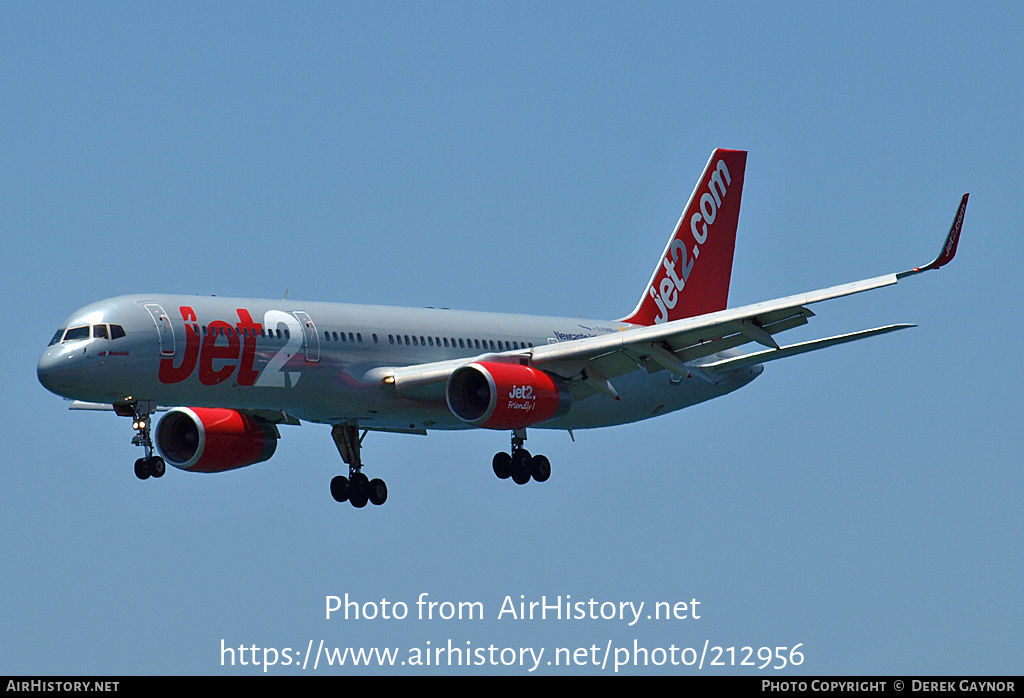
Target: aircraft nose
45, 371
56, 370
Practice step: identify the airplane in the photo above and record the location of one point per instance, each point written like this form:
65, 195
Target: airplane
229, 371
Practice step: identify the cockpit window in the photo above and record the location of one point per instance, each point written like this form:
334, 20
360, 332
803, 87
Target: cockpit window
99, 331
77, 333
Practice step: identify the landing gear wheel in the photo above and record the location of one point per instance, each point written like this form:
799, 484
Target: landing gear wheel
141, 469
340, 488
157, 467
378, 492
521, 466
356, 488
540, 468
359, 491
502, 465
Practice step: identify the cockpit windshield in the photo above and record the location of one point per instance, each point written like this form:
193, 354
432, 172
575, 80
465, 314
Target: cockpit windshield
73, 334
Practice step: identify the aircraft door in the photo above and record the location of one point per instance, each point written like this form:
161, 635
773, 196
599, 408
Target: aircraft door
309, 334
163, 327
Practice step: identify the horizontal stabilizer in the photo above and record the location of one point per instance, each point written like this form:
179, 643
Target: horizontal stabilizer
761, 357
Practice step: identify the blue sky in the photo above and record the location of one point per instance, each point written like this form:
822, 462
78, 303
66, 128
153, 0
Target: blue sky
862, 501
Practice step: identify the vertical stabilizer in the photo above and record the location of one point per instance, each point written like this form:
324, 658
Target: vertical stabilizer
692, 276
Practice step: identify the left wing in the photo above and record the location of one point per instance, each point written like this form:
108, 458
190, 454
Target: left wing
680, 345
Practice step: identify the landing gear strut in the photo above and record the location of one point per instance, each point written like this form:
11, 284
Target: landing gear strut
356, 488
141, 412
520, 465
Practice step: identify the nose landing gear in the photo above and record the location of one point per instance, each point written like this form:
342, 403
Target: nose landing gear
140, 412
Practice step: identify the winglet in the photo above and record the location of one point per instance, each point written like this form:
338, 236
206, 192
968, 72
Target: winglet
948, 248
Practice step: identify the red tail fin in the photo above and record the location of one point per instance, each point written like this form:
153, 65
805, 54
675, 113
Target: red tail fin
692, 277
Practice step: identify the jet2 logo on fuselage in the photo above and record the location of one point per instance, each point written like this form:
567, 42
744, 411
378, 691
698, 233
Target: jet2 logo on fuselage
232, 347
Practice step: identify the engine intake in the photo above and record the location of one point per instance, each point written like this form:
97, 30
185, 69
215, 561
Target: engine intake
505, 396
212, 440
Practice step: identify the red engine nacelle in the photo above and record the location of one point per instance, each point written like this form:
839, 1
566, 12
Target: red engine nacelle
212, 440
505, 396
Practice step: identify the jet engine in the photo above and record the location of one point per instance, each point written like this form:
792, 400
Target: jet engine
212, 440
505, 396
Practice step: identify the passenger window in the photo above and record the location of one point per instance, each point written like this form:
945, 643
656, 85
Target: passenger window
414, 342
461, 345
391, 338
359, 336
477, 342
374, 337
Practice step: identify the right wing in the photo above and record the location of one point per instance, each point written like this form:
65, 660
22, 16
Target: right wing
690, 346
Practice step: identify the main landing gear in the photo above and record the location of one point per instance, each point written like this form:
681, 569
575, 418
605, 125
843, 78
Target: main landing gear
520, 465
356, 488
141, 412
